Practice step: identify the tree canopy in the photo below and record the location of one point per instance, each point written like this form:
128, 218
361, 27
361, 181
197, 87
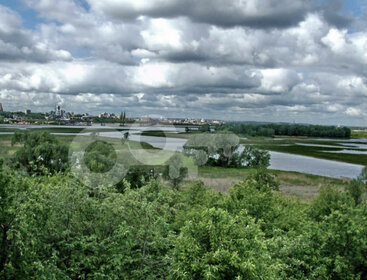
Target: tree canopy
54, 227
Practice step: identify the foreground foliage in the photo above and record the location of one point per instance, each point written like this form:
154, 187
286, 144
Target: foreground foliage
53, 227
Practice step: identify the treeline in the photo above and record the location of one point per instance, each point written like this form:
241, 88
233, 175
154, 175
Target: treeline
270, 130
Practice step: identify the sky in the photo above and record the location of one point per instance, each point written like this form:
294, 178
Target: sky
299, 61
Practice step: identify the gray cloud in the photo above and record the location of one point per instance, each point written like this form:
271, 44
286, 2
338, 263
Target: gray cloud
239, 60
259, 14
331, 11
17, 43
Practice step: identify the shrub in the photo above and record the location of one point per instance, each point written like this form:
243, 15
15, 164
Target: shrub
41, 153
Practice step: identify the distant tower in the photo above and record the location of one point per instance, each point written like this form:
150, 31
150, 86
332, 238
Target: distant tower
122, 118
57, 110
1, 108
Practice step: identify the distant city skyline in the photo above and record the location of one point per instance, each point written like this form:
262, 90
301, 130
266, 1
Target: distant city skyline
60, 111
214, 59
96, 113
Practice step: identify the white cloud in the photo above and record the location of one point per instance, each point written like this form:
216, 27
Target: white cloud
354, 112
253, 58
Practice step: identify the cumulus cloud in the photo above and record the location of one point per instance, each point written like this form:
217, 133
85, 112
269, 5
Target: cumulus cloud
16, 43
230, 59
354, 112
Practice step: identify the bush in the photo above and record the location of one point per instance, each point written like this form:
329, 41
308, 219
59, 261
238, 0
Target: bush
253, 157
329, 200
175, 170
357, 188
217, 245
137, 176
262, 179
100, 156
41, 153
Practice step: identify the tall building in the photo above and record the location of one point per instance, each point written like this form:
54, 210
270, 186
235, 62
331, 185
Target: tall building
58, 110
1, 108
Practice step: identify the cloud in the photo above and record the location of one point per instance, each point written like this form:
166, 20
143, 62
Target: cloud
220, 59
16, 43
354, 112
332, 13
253, 13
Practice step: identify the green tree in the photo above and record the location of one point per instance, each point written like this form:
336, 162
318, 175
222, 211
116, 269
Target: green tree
213, 149
175, 171
136, 177
62, 231
330, 245
12, 190
263, 179
328, 201
100, 156
41, 152
205, 128
253, 157
217, 245
357, 188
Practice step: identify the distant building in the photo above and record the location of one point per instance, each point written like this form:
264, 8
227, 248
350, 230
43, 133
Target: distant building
104, 115
58, 110
85, 117
1, 108
27, 111
18, 118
